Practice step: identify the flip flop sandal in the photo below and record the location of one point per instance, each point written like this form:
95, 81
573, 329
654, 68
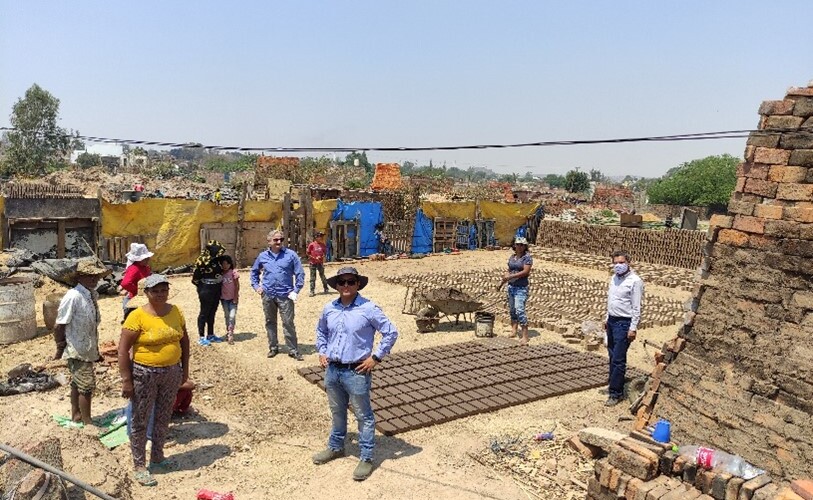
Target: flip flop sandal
144, 478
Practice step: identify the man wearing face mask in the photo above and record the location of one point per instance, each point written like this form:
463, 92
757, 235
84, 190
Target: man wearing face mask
621, 323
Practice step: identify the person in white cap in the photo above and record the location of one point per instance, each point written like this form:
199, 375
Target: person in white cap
138, 268
519, 268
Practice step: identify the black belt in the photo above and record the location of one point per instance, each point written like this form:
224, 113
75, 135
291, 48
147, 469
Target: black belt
348, 366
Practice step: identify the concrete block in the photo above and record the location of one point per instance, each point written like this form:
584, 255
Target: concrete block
732, 237
798, 214
751, 486
783, 107
601, 438
795, 191
803, 488
803, 107
721, 221
741, 207
767, 211
783, 173
801, 158
784, 122
764, 188
749, 224
586, 450
772, 156
632, 463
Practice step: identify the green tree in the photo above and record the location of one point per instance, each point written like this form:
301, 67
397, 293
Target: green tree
37, 144
554, 180
597, 176
88, 160
577, 181
350, 160
705, 182
528, 177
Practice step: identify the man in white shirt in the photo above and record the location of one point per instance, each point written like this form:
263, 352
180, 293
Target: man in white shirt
621, 323
77, 336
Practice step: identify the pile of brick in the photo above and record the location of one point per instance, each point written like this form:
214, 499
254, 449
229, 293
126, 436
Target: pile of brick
636, 467
676, 248
613, 197
387, 177
742, 380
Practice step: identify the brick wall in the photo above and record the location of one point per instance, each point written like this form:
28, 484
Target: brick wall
744, 380
671, 247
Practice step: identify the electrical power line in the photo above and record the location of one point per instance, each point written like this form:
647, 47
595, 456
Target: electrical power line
701, 136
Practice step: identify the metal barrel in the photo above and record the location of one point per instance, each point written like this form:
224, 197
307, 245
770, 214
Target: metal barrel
18, 319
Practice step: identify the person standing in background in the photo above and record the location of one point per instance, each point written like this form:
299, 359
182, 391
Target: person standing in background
316, 258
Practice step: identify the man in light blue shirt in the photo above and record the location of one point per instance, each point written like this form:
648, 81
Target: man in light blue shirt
282, 279
344, 340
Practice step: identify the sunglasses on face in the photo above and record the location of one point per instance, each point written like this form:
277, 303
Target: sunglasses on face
276, 239
346, 282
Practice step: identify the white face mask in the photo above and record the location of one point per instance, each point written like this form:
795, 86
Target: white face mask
621, 268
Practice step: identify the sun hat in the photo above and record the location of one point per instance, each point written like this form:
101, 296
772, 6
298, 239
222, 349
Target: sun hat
520, 240
138, 252
88, 267
150, 281
332, 281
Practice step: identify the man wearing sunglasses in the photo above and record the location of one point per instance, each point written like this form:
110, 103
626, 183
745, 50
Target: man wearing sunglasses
344, 340
282, 279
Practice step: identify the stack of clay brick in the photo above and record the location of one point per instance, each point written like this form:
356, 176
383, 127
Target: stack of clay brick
274, 167
612, 197
387, 176
676, 248
636, 467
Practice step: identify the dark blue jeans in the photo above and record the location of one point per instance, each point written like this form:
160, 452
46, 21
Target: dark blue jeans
617, 345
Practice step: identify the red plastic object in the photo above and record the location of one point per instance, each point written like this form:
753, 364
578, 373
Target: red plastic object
213, 495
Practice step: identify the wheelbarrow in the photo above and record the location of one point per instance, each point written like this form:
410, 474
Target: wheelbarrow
451, 302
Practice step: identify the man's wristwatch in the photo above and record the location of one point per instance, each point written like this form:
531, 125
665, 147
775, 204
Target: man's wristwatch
376, 358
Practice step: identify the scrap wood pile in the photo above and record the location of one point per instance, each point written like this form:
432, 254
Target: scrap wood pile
542, 469
17, 261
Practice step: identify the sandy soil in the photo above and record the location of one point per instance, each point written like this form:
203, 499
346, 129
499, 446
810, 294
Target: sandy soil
259, 422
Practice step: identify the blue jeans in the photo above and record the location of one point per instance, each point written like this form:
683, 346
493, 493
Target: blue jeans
617, 345
230, 311
344, 386
517, 295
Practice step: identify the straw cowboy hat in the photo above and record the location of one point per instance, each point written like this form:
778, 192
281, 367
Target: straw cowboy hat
138, 252
88, 267
150, 281
332, 281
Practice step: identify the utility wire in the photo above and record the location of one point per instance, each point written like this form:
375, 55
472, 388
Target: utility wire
702, 136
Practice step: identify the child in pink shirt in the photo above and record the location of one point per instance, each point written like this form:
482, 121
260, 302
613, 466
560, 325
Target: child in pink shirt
229, 295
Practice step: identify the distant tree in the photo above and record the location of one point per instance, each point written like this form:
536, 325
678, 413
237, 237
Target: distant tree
407, 167
512, 178
577, 181
705, 182
554, 180
350, 159
88, 160
597, 176
528, 177
37, 144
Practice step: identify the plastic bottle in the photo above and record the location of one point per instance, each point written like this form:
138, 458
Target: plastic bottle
709, 458
213, 495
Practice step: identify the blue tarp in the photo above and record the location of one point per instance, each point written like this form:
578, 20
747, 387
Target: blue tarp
369, 214
422, 236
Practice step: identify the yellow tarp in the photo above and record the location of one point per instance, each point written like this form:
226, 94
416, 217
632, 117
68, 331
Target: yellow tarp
508, 216
322, 211
171, 228
451, 209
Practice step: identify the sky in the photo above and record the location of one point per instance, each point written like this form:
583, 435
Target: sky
421, 73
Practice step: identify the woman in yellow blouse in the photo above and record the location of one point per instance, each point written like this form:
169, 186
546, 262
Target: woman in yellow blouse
156, 334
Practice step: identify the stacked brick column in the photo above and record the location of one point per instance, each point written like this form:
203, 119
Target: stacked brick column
744, 380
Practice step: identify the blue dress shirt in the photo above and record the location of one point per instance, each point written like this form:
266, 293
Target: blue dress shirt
345, 334
278, 273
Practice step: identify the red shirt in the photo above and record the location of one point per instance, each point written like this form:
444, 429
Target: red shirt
132, 275
316, 252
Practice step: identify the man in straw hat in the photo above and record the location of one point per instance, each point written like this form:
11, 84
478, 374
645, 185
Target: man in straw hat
77, 335
344, 340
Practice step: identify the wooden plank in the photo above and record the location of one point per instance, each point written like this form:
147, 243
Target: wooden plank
239, 251
286, 214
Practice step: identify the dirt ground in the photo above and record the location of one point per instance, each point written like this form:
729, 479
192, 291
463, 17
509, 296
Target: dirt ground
259, 422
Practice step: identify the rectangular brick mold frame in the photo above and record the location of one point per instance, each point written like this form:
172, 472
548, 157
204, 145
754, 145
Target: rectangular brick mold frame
430, 386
